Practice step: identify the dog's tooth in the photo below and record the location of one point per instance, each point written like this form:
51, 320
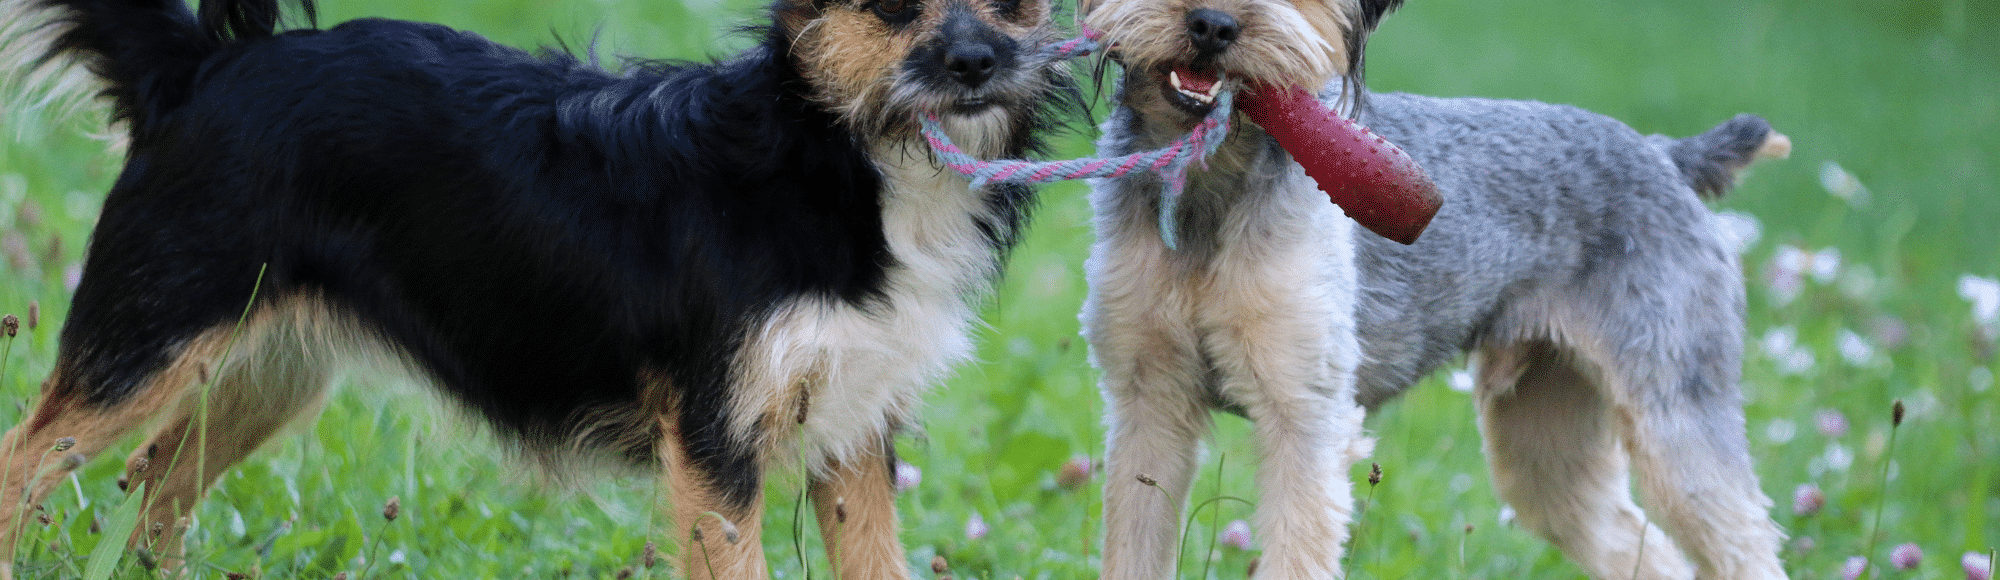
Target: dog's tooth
1174, 80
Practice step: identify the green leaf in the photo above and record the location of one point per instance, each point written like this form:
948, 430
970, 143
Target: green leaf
104, 558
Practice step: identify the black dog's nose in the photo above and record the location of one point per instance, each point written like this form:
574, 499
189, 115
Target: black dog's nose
970, 63
1211, 31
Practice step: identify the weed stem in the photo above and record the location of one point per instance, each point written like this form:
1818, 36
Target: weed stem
1895, 421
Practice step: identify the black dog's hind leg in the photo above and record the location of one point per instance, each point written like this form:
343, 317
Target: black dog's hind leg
69, 426
278, 369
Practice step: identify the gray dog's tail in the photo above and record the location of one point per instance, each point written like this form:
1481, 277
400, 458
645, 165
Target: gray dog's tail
1710, 161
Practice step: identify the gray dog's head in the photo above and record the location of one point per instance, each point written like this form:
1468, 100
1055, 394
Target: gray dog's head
1178, 53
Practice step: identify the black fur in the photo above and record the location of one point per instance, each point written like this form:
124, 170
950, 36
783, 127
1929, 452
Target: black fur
541, 236
1363, 24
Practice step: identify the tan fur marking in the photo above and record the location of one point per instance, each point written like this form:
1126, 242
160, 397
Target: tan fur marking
696, 506
856, 508
30, 469
851, 57
279, 370
279, 366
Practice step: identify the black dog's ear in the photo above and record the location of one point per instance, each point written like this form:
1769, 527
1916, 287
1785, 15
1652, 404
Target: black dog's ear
1370, 17
790, 17
1372, 12
1364, 24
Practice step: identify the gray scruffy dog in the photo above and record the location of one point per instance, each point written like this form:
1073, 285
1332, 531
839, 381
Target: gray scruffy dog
1573, 257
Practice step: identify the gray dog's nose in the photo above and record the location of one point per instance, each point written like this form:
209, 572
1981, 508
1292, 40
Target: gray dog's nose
1211, 31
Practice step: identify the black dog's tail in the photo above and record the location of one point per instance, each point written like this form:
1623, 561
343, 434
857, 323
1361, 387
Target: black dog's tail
139, 53
1710, 161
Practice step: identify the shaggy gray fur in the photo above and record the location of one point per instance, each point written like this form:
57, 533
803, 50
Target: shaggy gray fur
1573, 255
1543, 203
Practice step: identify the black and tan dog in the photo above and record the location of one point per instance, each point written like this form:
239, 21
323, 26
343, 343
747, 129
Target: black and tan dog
701, 267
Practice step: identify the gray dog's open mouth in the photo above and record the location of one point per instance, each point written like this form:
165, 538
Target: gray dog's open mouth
1190, 89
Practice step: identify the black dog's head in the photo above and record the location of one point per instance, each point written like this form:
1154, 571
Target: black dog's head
878, 63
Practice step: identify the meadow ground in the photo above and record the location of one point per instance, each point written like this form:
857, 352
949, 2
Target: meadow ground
1872, 279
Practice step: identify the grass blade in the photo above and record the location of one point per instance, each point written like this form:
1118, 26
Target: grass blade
104, 558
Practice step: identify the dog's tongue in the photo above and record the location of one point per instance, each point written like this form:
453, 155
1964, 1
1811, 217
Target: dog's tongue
1371, 179
1197, 81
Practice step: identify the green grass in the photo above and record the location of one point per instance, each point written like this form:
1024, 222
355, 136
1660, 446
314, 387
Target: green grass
1900, 96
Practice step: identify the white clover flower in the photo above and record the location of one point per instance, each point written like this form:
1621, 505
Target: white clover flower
1785, 275
1831, 422
1855, 349
1841, 183
1780, 431
1461, 381
1235, 535
1906, 556
975, 527
1739, 231
1780, 340
1852, 568
1825, 264
1977, 566
907, 476
1790, 259
1838, 457
1807, 499
1781, 344
1984, 294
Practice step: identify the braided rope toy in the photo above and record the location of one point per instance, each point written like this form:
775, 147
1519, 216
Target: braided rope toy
1171, 162
1372, 180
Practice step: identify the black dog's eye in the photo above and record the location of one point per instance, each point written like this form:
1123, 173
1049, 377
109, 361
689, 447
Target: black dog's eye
1007, 8
896, 11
